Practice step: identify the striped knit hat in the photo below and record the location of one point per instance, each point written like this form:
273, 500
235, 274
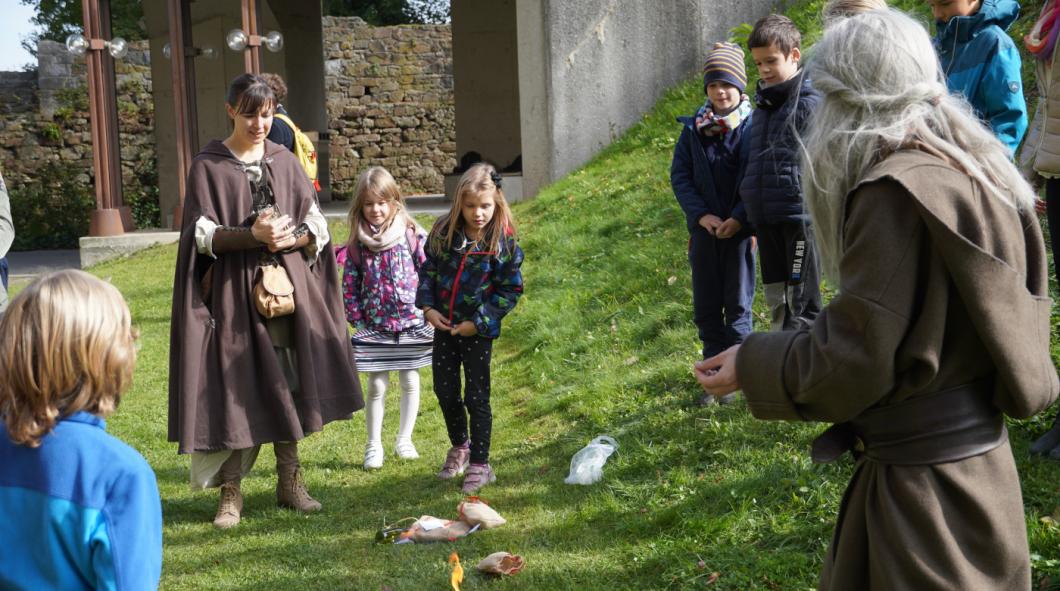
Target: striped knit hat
725, 64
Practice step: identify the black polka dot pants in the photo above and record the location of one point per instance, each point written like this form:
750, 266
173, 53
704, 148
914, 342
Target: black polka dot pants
474, 354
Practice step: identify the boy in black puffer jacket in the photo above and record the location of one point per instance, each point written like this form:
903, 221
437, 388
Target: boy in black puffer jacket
770, 186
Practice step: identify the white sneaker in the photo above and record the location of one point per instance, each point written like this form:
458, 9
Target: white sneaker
406, 450
373, 456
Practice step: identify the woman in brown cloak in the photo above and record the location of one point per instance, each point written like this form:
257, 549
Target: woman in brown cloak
939, 328
237, 379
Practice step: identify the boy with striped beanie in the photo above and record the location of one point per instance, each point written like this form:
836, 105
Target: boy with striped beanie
724, 67
704, 175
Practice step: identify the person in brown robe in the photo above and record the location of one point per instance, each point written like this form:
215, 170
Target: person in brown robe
237, 379
939, 328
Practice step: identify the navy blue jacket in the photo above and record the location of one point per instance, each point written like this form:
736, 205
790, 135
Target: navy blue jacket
705, 171
770, 187
280, 132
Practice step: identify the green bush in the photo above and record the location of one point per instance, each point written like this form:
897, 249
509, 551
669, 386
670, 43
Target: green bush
52, 212
142, 197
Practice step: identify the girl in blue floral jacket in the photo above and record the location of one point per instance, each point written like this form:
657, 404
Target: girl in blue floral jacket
468, 283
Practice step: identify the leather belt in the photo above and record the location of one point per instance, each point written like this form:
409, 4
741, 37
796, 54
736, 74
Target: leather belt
944, 426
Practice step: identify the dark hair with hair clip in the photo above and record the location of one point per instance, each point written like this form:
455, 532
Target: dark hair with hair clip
496, 178
247, 94
775, 29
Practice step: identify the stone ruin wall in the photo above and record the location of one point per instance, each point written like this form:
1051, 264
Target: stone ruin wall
389, 103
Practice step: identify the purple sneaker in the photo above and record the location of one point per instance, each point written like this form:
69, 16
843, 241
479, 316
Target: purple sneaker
455, 462
478, 476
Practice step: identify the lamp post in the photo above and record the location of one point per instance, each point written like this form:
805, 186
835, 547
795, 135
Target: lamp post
109, 218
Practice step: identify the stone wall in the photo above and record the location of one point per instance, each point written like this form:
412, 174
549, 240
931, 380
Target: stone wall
48, 124
389, 102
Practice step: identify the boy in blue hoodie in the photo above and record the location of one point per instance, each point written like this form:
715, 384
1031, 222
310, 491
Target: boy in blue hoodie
982, 63
703, 175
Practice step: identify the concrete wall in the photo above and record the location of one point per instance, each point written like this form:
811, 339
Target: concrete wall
486, 79
589, 69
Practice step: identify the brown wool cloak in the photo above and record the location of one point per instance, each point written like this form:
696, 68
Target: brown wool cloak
226, 387
940, 285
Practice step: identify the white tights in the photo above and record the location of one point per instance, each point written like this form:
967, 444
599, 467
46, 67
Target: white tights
410, 404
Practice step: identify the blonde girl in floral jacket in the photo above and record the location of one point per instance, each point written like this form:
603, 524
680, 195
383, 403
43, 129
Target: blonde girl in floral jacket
380, 264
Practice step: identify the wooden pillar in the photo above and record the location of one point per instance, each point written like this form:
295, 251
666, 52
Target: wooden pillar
183, 79
106, 219
252, 54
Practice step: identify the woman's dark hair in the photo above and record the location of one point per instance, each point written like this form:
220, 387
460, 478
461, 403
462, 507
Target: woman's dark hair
248, 93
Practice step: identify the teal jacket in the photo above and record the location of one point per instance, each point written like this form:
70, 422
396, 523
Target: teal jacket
982, 63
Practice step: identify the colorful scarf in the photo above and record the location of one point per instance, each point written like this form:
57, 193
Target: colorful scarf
1041, 40
710, 124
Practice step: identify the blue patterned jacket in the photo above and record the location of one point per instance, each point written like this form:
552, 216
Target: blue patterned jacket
473, 284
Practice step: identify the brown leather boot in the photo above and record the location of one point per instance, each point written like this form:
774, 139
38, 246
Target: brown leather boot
290, 488
230, 509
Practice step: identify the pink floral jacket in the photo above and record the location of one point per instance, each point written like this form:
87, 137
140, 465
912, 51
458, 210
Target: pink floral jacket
380, 292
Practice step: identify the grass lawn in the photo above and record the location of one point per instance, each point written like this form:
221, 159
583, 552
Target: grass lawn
602, 342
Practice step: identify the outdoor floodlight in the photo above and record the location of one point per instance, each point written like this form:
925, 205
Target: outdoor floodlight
236, 40
117, 47
76, 44
273, 41
206, 52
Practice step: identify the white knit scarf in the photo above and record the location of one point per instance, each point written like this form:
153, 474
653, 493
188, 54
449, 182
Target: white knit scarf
385, 239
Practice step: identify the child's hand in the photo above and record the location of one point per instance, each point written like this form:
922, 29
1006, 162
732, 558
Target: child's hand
464, 329
435, 318
710, 223
1039, 206
728, 228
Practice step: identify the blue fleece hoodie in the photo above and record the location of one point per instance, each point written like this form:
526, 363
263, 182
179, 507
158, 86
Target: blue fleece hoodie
80, 512
982, 63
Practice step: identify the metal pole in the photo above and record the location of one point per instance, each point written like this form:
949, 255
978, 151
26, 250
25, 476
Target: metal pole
252, 54
183, 77
105, 220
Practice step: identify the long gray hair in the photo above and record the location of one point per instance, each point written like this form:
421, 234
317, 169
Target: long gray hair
883, 90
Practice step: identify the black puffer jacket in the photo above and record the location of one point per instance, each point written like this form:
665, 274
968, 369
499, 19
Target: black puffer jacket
770, 187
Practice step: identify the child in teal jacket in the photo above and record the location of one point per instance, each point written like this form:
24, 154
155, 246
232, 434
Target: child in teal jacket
982, 63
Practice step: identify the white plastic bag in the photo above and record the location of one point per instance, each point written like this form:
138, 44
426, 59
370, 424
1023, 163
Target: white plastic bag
587, 466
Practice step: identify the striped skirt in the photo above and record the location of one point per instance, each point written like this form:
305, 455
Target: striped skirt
385, 351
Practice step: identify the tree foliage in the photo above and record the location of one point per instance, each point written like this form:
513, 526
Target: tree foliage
59, 18
391, 12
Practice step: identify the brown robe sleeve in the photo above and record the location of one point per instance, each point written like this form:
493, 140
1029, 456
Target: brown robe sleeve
846, 361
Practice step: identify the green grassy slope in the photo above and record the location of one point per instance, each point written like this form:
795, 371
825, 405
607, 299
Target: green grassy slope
602, 342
